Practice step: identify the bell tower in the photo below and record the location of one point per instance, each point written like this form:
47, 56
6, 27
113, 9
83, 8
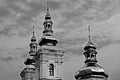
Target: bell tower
49, 56
29, 72
91, 70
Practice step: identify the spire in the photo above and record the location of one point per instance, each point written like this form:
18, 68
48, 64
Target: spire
33, 37
47, 15
33, 44
90, 43
89, 32
33, 31
48, 37
47, 7
90, 52
48, 23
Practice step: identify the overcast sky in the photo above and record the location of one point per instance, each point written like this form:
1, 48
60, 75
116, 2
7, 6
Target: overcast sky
71, 19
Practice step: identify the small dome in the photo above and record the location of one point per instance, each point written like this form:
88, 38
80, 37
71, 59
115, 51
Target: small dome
90, 45
47, 16
92, 70
33, 38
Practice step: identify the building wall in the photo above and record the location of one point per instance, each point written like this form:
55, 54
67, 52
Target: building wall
47, 58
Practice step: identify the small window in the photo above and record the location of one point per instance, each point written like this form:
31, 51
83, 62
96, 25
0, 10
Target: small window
48, 26
51, 69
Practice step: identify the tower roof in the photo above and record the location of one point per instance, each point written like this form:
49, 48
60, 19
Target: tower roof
90, 43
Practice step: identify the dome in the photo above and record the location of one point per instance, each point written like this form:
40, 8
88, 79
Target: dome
33, 38
91, 70
47, 16
90, 45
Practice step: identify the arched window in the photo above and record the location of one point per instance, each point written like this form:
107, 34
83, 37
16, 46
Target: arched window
51, 69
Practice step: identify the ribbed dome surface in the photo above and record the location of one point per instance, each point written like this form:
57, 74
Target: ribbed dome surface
91, 69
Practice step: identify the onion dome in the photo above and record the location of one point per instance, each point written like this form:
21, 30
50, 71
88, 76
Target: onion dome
33, 39
47, 15
90, 44
91, 70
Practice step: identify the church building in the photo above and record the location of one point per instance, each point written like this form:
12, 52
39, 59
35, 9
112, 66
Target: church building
45, 57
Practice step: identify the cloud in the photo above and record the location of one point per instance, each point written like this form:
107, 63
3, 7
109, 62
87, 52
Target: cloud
19, 15
6, 59
4, 12
30, 9
23, 56
78, 15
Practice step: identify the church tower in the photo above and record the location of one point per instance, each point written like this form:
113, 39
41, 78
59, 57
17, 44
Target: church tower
49, 57
91, 70
29, 72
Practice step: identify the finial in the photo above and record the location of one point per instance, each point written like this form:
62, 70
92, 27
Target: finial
47, 15
89, 32
90, 43
47, 7
33, 30
33, 37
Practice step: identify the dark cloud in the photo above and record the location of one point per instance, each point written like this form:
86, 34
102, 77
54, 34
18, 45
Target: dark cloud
4, 12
